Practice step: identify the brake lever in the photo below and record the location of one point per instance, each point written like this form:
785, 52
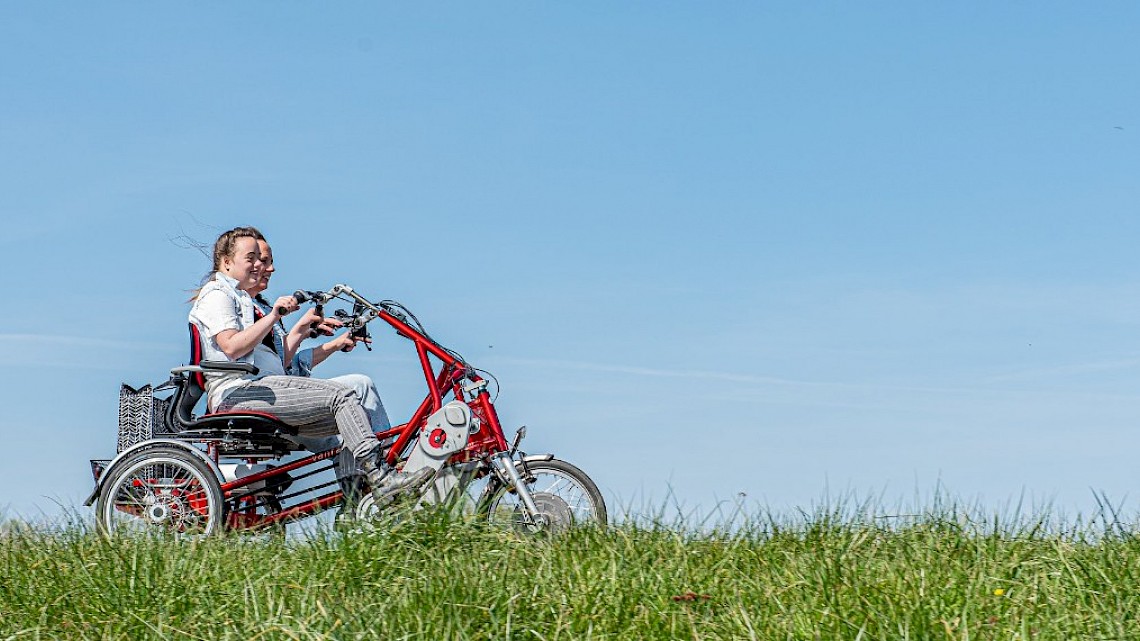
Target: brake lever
361, 335
359, 331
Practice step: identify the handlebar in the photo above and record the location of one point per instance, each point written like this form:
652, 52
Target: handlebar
362, 312
319, 299
394, 313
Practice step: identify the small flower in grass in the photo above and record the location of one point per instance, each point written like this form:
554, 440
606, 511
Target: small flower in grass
999, 592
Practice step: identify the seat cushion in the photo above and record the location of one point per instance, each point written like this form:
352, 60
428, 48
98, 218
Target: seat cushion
256, 423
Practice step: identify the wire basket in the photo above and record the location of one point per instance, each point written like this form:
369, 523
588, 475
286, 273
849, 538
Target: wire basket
141, 415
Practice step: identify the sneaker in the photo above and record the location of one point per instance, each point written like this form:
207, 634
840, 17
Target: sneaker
386, 484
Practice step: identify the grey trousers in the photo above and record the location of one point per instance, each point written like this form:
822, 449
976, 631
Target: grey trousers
314, 406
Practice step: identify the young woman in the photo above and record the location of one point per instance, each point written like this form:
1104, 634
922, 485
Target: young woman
224, 313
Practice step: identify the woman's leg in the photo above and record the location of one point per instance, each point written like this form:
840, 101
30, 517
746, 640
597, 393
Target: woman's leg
314, 406
318, 407
369, 398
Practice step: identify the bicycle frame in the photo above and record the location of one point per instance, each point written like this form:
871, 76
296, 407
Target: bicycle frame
489, 440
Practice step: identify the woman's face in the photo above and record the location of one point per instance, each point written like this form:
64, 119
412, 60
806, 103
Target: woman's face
266, 257
244, 265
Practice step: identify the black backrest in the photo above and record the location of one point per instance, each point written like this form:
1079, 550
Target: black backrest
185, 399
190, 387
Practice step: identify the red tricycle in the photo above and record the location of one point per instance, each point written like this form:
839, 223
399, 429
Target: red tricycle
197, 475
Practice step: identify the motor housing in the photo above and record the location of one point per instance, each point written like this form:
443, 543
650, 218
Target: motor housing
444, 434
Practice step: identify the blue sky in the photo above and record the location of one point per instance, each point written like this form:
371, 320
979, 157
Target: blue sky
707, 248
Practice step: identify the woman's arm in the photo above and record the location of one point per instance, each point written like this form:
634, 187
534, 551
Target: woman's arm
343, 343
301, 330
236, 343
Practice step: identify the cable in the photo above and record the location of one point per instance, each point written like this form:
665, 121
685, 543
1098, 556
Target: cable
492, 377
388, 305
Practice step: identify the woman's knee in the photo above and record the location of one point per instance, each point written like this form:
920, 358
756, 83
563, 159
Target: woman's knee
343, 395
361, 383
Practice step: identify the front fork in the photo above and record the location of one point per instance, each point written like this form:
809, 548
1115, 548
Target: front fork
508, 473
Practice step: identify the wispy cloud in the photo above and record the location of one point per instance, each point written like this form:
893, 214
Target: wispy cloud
662, 373
1066, 370
9, 341
859, 393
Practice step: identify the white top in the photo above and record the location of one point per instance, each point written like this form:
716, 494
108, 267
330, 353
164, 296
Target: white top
220, 306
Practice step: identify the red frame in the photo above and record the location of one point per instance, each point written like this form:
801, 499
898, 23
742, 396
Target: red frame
489, 439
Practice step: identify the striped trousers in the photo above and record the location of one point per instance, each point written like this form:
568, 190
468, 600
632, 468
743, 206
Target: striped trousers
314, 406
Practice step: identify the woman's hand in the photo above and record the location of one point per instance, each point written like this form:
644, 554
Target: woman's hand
328, 326
346, 342
343, 343
312, 320
285, 305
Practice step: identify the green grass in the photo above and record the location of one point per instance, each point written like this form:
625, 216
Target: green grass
829, 575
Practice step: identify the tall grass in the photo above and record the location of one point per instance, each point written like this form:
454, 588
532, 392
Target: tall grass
846, 572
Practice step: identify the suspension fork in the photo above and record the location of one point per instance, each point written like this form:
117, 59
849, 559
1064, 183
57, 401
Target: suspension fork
505, 467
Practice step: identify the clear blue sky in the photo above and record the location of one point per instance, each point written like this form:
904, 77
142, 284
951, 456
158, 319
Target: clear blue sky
707, 248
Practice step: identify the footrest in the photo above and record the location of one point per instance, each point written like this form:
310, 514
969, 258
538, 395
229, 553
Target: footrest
98, 466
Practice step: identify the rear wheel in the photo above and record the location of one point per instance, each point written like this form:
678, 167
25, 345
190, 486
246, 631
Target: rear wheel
161, 490
564, 495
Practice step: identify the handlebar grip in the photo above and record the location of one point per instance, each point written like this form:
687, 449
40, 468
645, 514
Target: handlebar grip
320, 309
300, 296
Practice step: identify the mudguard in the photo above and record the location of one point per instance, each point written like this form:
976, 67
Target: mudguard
520, 463
147, 444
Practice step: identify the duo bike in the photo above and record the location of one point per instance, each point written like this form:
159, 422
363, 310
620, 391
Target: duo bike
194, 474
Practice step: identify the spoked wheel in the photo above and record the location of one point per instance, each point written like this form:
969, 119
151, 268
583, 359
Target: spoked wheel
161, 490
564, 495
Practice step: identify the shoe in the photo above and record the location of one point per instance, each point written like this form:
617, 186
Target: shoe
386, 484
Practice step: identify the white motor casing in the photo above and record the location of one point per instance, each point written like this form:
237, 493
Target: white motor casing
444, 434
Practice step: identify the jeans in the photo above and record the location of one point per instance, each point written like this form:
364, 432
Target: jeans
378, 417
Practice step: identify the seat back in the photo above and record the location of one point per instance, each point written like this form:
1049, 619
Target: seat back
196, 356
180, 414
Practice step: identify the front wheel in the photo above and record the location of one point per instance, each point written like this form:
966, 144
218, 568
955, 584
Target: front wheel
564, 495
160, 489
